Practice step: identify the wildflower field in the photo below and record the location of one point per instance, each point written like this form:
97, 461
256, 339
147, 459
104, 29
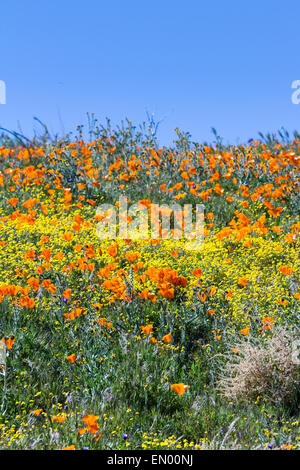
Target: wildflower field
143, 344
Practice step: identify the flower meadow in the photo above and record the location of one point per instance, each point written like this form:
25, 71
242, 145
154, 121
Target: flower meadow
124, 343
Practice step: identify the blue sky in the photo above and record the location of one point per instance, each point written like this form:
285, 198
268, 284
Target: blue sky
194, 64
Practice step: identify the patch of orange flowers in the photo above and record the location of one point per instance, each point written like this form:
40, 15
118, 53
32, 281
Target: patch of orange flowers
91, 426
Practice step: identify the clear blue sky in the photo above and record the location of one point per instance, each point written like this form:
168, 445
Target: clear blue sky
197, 64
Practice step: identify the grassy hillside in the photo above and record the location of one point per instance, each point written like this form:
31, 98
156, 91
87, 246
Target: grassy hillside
143, 344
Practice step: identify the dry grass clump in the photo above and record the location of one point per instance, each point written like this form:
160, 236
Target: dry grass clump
262, 368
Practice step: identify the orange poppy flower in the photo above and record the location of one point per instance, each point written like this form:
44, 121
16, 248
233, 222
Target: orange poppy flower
9, 342
245, 331
229, 294
146, 329
67, 294
92, 427
13, 201
30, 303
97, 305
58, 419
131, 256
71, 358
34, 283
70, 316
167, 338
286, 270
82, 431
166, 292
112, 250
179, 388
197, 272
67, 236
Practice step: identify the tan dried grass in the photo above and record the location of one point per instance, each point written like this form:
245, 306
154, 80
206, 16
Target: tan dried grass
262, 368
